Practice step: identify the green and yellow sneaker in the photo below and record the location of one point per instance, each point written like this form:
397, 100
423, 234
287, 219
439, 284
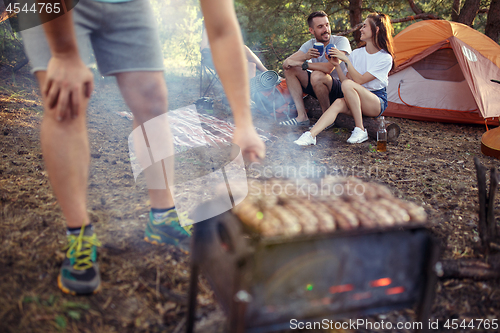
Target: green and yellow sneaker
80, 271
167, 230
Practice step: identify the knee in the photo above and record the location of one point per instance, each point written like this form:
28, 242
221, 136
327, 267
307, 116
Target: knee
292, 71
151, 101
319, 78
347, 85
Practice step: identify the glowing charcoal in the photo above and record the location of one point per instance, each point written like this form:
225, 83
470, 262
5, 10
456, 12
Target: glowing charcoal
381, 282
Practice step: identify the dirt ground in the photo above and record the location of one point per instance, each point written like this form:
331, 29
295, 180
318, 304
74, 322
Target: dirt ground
145, 287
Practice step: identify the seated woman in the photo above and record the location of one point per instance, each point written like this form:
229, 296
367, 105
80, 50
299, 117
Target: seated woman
364, 87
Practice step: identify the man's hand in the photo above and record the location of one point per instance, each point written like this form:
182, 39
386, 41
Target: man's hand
68, 83
252, 147
312, 53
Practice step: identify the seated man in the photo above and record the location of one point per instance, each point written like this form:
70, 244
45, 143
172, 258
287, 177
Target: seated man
306, 71
253, 64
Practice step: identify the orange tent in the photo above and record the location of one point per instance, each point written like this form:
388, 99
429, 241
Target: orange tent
444, 72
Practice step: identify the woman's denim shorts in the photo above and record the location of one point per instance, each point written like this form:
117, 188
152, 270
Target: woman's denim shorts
382, 95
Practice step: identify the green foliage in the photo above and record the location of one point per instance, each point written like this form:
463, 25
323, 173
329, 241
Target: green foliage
75, 305
179, 27
61, 313
74, 315
11, 48
61, 321
278, 28
30, 299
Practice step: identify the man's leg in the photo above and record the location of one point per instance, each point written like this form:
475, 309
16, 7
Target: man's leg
322, 84
66, 155
146, 95
296, 78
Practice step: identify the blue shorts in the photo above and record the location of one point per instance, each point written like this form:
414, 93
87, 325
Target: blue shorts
382, 96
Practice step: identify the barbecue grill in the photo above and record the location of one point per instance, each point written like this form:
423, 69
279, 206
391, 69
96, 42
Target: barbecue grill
264, 282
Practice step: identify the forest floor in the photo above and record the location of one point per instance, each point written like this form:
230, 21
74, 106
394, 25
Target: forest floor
145, 287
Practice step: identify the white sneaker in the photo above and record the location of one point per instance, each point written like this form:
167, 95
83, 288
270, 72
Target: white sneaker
358, 136
305, 140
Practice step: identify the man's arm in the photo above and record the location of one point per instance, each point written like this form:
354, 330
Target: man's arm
324, 67
229, 59
68, 81
298, 58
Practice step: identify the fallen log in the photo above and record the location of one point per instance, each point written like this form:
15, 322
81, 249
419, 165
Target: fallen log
345, 121
371, 125
468, 269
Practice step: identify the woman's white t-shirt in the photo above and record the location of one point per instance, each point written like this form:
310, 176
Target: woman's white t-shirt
378, 64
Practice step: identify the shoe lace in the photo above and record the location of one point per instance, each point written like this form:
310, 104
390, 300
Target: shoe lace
188, 223
80, 249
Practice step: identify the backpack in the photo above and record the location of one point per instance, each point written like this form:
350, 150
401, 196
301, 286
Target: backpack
271, 96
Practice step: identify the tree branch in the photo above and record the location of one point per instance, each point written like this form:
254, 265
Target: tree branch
414, 7
455, 10
423, 16
404, 19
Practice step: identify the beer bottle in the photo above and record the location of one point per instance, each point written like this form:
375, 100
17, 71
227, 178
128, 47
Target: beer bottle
382, 136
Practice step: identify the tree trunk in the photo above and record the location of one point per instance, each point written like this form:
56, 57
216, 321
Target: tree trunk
455, 10
469, 12
492, 29
355, 17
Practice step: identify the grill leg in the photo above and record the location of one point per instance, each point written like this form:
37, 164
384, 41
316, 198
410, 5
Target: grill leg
425, 306
193, 292
193, 283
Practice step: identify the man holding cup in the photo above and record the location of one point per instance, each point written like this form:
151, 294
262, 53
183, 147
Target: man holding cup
308, 70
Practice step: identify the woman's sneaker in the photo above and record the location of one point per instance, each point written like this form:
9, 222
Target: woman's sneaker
358, 136
305, 140
166, 229
80, 272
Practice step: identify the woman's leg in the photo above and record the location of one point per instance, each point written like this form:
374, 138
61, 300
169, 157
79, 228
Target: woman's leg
360, 101
329, 116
